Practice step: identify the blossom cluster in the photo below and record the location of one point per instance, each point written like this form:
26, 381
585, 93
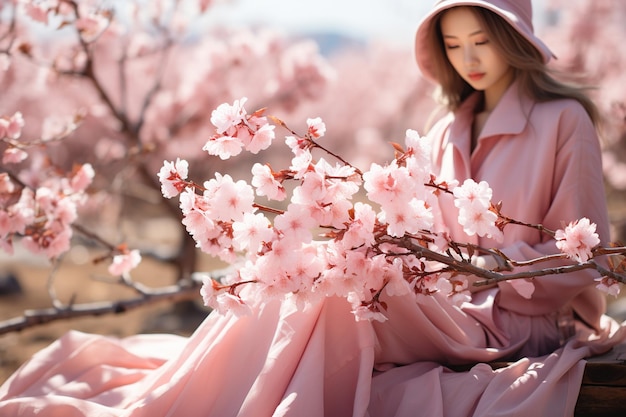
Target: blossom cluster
42, 216
90, 22
39, 204
327, 241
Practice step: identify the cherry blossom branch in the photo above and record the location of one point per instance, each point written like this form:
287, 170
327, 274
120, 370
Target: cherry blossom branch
10, 32
464, 265
498, 277
314, 144
156, 87
182, 291
31, 318
68, 129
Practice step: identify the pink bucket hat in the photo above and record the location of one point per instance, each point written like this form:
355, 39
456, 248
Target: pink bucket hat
518, 13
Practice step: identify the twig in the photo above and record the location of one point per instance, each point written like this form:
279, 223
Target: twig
32, 318
182, 291
187, 290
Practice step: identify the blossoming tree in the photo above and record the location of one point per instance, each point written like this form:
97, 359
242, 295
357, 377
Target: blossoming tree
120, 103
393, 242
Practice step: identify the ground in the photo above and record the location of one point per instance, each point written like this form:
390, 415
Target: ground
78, 277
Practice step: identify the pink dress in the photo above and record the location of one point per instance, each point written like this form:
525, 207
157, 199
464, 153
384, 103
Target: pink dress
541, 159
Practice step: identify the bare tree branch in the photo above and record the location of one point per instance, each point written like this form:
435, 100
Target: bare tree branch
32, 318
182, 291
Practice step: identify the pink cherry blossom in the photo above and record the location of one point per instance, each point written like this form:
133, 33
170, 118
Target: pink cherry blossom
64, 211
381, 271
406, 218
301, 163
297, 144
608, 286
37, 11
261, 139
208, 290
578, 239
172, 176
312, 188
266, 267
443, 285
305, 268
57, 242
361, 229
226, 116
13, 156
11, 127
251, 232
336, 214
358, 266
340, 181
124, 263
6, 185
237, 131
266, 184
226, 302
367, 313
22, 213
5, 224
229, 199
283, 283
294, 224
82, 178
389, 184
54, 127
90, 26
223, 146
204, 5
52, 243
316, 127
478, 220
419, 148
395, 283
472, 195
323, 244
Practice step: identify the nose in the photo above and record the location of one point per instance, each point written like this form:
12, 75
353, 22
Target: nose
469, 55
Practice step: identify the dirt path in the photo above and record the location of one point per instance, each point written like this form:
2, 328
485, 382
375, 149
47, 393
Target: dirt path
77, 279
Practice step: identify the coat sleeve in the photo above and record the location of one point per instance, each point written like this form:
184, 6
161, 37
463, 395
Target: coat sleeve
577, 189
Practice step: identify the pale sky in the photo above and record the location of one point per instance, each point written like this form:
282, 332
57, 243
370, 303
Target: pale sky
394, 20
390, 19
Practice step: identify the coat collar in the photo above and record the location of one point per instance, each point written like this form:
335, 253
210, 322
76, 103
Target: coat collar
509, 117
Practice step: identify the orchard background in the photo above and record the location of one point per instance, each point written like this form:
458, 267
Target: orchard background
124, 85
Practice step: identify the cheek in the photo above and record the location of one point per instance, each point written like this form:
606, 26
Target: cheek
495, 61
453, 58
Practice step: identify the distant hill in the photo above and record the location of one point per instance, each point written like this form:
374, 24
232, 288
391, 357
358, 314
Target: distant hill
331, 42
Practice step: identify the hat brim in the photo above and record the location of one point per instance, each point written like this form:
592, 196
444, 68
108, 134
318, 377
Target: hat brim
422, 45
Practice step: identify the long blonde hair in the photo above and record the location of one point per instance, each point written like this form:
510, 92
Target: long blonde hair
533, 76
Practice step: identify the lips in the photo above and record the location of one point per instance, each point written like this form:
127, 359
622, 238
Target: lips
476, 76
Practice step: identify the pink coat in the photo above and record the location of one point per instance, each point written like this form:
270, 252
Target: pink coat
543, 162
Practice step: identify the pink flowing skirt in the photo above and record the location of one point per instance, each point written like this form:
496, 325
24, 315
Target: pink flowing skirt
319, 362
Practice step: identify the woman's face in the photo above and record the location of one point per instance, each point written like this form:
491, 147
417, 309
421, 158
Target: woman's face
473, 56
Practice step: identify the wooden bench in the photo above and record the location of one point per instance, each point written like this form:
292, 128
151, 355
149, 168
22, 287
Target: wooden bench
603, 390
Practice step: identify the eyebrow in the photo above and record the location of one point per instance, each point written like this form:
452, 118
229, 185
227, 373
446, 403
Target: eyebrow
478, 32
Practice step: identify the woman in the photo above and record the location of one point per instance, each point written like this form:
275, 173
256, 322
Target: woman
510, 124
